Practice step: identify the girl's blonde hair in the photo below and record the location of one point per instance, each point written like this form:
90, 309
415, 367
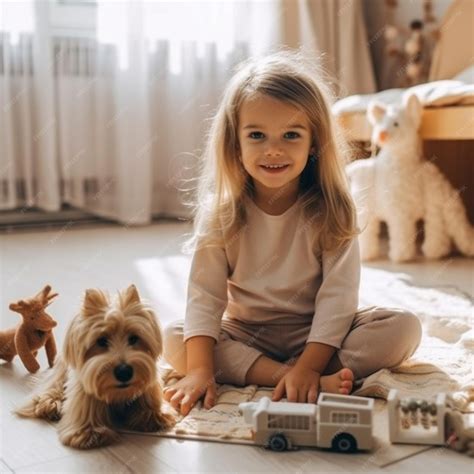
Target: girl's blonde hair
223, 183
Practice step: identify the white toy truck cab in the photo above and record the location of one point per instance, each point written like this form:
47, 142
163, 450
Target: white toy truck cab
339, 422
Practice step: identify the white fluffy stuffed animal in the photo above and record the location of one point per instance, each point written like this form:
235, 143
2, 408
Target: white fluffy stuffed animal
400, 188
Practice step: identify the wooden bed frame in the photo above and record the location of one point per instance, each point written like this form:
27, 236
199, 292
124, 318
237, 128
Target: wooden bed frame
437, 123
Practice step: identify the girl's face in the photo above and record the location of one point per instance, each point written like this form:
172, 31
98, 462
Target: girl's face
272, 132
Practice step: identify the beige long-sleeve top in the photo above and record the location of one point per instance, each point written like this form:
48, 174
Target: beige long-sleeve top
272, 272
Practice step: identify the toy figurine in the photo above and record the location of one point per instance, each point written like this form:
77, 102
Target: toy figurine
34, 332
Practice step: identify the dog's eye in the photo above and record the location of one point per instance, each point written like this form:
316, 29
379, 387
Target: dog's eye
395, 124
102, 342
132, 340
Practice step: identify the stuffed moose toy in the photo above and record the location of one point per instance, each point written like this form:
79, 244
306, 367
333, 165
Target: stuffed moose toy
34, 332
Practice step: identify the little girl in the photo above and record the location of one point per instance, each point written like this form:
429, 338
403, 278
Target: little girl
273, 289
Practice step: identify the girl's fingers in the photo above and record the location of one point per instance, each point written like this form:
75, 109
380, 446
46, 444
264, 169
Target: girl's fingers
183, 402
279, 391
210, 398
168, 393
176, 404
190, 400
186, 404
313, 394
292, 394
176, 399
302, 395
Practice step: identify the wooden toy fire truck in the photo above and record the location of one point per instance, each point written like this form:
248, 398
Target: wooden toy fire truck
339, 422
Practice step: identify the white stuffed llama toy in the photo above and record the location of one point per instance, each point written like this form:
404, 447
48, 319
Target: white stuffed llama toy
399, 187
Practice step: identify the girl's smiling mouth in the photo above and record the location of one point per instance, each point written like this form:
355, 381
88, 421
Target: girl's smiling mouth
274, 169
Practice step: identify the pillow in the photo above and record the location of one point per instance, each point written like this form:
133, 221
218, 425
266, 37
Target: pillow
466, 76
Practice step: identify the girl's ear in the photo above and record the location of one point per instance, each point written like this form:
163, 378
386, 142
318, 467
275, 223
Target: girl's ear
375, 112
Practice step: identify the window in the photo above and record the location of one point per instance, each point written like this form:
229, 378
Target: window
69, 18
344, 418
76, 18
78, 2
289, 422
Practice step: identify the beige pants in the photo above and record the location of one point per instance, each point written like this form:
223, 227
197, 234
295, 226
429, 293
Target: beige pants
379, 338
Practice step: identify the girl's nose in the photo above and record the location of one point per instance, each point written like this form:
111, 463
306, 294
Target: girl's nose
273, 149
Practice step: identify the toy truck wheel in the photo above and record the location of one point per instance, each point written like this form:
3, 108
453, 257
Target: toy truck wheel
278, 442
344, 443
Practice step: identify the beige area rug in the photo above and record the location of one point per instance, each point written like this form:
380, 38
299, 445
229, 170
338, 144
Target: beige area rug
443, 362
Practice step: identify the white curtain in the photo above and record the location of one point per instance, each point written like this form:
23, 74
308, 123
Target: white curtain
336, 29
28, 126
112, 124
172, 61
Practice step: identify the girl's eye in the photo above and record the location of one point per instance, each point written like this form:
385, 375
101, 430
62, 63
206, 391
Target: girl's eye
258, 135
395, 124
132, 340
102, 342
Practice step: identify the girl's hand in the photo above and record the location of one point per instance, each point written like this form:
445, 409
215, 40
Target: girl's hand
187, 391
301, 384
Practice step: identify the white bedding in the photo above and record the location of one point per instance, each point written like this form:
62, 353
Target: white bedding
431, 94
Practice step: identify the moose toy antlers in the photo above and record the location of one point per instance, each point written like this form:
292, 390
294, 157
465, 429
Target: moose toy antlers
34, 332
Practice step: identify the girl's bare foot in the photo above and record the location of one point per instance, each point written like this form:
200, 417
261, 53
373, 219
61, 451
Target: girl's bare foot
339, 382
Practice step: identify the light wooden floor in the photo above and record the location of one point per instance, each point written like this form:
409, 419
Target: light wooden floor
72, 259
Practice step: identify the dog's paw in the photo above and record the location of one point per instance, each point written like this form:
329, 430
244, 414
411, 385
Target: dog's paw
154, 422
48, 408
89, 437
164, 421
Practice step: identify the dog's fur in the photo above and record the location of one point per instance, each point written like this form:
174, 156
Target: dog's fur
87, 391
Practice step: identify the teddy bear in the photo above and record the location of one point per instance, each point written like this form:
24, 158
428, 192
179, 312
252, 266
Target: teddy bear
400, 188
34, 332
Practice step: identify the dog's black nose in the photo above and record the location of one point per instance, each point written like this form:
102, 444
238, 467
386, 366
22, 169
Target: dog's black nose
123, 372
